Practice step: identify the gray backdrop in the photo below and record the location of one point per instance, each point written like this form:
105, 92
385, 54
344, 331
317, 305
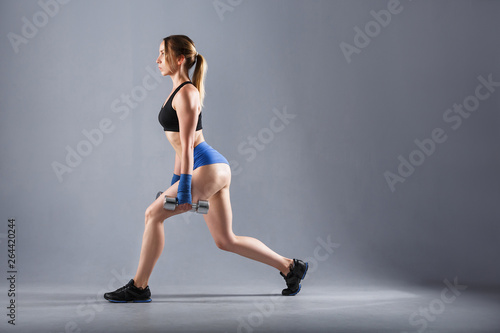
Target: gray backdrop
315, 103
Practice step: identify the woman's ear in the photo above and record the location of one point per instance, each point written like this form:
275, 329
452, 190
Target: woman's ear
181, 59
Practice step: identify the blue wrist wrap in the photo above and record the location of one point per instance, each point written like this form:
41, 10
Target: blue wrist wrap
184, 189
174, 179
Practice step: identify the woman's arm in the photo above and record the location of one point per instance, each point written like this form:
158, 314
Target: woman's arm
177, 165
177, 170
187, 111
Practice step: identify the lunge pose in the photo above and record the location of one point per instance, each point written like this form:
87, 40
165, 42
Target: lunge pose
200, 173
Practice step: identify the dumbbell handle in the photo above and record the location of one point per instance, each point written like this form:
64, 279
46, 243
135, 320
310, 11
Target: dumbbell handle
199, 207
194, 205
170, 204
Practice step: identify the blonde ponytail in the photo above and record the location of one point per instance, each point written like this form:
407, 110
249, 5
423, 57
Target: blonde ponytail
199, 76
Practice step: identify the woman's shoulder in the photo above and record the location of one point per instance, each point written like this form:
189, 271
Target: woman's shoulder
188, 94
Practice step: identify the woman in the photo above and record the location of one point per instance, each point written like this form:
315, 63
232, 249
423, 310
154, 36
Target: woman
200, 172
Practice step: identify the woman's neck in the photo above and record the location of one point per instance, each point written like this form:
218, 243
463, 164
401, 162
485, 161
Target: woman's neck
179, 78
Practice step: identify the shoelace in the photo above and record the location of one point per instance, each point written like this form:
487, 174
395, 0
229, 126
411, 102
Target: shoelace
122, 288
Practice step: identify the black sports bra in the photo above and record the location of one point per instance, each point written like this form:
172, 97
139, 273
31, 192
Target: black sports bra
168, 116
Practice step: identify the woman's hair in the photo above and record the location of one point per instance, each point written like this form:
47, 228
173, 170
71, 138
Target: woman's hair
176, 45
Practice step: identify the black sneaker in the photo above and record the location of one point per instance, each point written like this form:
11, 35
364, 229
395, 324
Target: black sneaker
129, 293
297, 272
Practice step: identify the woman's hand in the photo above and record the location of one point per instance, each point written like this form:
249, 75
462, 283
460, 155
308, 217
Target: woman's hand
184, 207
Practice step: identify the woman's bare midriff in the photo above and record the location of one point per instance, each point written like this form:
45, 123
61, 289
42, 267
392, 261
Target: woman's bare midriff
175, 140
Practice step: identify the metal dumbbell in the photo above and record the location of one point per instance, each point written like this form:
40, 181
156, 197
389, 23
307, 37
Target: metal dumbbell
170, 203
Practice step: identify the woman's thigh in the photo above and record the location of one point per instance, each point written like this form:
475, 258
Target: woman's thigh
209, 179
220, 218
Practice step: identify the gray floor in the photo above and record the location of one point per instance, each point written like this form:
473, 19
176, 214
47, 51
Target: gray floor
235, 309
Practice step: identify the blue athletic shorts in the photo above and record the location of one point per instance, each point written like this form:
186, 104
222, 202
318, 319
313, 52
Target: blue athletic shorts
204, 154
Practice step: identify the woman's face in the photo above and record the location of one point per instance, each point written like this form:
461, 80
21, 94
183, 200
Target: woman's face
161, 61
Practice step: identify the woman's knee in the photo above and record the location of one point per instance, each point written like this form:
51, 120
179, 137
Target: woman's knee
226, 243
152, 214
